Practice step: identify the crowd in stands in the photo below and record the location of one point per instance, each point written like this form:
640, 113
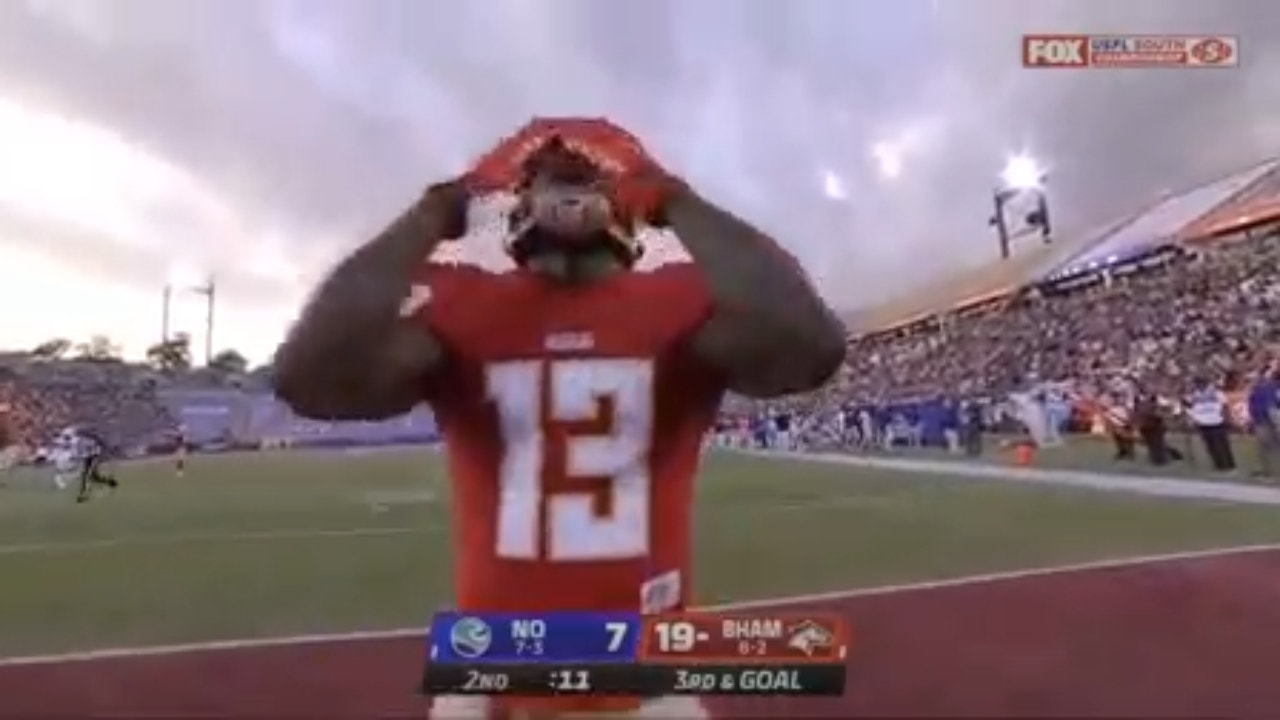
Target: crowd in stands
1158, 323
115, 399
135, 408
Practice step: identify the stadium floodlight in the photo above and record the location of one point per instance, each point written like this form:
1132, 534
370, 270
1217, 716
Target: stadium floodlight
1022, 176
184, 278
1022, 172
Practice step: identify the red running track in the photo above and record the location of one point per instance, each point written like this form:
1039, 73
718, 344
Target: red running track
1188, 638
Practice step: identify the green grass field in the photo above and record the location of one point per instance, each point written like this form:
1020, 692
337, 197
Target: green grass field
307, 542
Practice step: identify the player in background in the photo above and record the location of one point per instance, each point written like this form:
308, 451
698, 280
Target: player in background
573, 391
93, 450
180, 451
65, 457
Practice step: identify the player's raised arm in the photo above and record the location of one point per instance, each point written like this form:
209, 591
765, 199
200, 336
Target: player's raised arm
770, 330
352, 355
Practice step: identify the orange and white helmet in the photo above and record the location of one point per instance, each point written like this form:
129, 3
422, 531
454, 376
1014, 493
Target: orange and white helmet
586, 215
509, 168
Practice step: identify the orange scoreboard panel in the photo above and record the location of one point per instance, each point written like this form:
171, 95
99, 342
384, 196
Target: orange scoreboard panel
781, 638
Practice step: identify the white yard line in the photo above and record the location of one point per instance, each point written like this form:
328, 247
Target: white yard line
762, 604
427, 525
264, 535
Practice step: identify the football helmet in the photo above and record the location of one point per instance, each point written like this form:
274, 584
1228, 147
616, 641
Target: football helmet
563, 203
561, 177
69, 437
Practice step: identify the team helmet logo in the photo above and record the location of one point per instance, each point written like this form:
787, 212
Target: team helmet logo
809, 637
470, 637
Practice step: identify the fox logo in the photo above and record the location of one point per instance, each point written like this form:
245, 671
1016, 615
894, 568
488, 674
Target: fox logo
809, 637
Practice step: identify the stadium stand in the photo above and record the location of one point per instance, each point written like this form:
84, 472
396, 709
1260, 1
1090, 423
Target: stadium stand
114, 398
1187, 287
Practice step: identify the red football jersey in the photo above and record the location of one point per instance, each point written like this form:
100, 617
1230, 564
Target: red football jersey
573, 419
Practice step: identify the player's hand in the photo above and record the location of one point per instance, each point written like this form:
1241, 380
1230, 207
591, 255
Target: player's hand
643, 194
444, 208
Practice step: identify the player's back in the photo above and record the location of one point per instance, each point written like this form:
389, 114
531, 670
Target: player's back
573, 420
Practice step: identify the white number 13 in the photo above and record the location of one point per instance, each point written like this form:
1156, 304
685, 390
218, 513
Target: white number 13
575, 389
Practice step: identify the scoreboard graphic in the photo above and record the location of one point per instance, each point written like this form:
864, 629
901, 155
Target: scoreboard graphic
630, 654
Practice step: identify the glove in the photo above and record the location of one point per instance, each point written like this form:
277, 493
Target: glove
444, 208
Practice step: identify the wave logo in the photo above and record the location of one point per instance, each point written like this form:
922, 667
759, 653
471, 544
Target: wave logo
470, 637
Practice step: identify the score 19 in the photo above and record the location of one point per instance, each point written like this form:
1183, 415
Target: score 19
676, 636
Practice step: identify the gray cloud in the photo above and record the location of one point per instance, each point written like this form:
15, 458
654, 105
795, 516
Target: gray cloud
320, 117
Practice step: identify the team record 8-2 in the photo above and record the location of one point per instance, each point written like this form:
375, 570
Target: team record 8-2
629, 654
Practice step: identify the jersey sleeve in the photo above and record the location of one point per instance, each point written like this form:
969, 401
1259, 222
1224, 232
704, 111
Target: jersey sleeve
685, 296
438, 303
436, 287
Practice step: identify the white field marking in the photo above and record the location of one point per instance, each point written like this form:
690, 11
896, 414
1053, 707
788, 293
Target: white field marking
264, 535
838, 503
767, 603
354, 453
1187, 489
380, 501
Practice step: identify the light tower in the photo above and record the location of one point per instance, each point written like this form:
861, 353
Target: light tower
180, 281
1021, 176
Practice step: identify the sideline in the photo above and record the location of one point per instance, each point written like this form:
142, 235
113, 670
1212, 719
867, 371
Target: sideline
1110, 482
766, 603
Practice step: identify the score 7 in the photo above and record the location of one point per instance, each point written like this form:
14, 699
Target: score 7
617, 635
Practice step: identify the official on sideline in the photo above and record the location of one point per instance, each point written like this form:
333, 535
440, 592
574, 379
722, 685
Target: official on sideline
1207, 408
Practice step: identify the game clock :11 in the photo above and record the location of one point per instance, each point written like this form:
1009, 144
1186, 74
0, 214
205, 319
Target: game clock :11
636, 679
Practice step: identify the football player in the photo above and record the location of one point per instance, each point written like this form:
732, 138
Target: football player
573, 391
180, 446
65, 456
93, 451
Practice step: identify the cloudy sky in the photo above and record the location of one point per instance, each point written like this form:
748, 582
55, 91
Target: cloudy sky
140, 139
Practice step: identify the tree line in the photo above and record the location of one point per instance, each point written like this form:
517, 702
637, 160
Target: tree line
172, 355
